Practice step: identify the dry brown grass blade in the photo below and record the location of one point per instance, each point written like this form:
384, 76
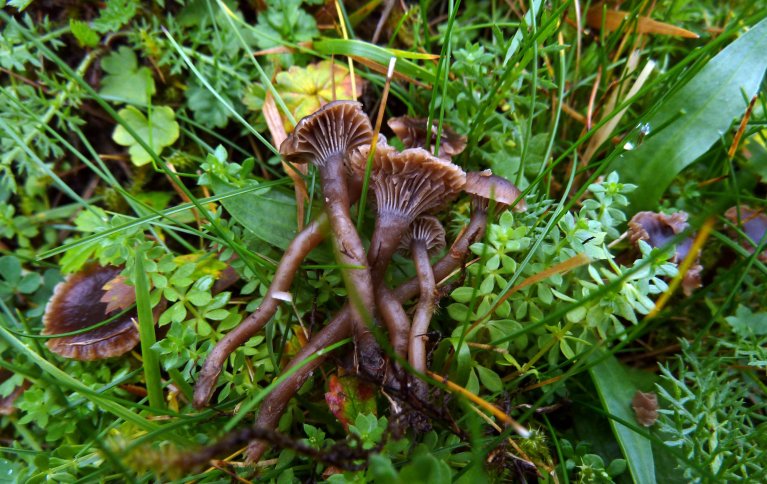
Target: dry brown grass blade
295, 172
644, 25
482, 403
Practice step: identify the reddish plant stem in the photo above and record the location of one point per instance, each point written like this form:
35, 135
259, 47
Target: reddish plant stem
302, 244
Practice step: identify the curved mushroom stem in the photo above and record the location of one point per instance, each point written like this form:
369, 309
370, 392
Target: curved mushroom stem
340, 327
422, 316
350, 252
271, 410
304, 242
383, 244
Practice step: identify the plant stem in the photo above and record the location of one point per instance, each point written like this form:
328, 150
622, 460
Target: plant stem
151, 359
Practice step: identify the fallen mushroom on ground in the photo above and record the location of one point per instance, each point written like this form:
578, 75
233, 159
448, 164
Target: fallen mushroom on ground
403, 187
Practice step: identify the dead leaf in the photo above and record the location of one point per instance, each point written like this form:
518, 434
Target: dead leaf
645, 406
118, 295
645, 25
348, 396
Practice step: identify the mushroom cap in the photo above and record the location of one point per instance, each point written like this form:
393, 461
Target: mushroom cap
753, 223
413, 132
483, 185
425, 228
410, 182
333, 130
657, 229
81, 301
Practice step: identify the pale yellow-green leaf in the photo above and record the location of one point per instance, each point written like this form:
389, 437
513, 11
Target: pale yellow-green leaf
158, 131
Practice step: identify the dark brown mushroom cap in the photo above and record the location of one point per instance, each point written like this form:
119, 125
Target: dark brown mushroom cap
81, 301
333, 130
427, 229
410, 182
484, 186
657, 229
753, 223
413, 133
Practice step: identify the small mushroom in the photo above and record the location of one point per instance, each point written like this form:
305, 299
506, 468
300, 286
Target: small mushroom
325, 139
485, 187
413, 134
425, 237
658, 229
754, 225
84, 299
405, 185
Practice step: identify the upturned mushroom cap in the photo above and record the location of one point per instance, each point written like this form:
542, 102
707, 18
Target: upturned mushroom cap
413, 133
410, 182
484, 186
753, 223
427, 229
657, 229
84, 299
334, 130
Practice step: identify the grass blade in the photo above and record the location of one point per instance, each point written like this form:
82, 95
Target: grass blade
146, 331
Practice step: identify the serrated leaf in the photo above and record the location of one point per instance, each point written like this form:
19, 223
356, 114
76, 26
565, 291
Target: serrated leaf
348, 398
616, 390
305, 90
125, 81
746, 323
85, 35
158, 131
694, 118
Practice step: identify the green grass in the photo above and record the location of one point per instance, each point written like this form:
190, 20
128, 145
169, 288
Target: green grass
532, 93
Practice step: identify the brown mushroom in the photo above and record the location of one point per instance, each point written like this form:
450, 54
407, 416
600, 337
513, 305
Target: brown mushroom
340, 326
405, 185
658, 229
413, 133
84, 299
425, 237
325, 138
754, 225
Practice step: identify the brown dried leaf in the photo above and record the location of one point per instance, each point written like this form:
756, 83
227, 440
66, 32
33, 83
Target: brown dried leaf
645, 406
645, 25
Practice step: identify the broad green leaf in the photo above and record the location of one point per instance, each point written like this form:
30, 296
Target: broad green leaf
746, 323
159, 131
616, 389
125, 81
694, 117
269, 214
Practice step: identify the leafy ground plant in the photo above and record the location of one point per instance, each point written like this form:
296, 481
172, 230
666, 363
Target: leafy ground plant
145, 137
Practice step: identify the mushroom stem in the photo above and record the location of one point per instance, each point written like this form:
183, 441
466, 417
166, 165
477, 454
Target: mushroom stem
274, 404
340, 327
383, 244
304, 242
452, 260
350, 252
423, 312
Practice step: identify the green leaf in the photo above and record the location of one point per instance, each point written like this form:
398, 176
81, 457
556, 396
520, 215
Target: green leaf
115, 14
159, 131
125, 81
489, 379
746, 323
694, 117
269, 214
85, 35
616, 390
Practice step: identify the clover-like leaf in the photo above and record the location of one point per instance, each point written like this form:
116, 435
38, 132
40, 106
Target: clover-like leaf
305, 90
125, 81
158, 131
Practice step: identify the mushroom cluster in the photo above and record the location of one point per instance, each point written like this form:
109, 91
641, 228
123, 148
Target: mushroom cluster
406, 187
